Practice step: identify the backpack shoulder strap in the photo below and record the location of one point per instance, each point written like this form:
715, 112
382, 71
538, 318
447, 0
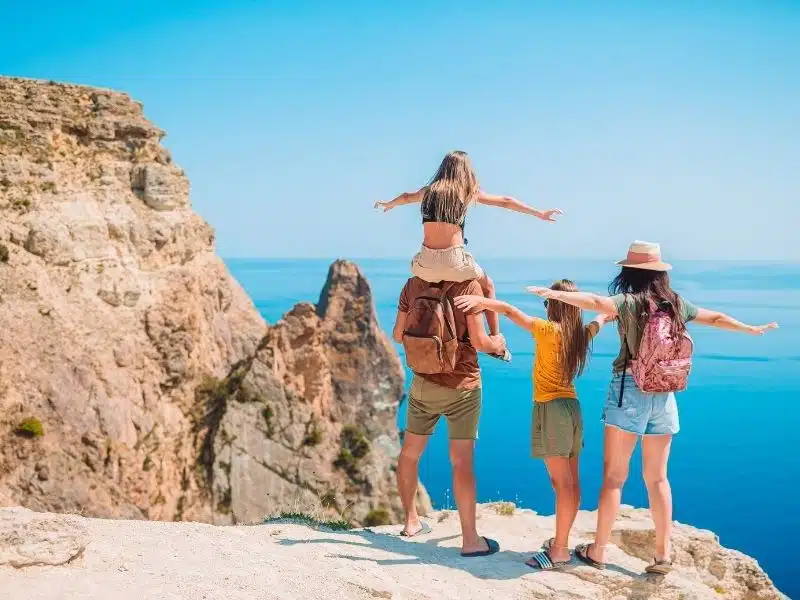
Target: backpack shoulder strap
626, 349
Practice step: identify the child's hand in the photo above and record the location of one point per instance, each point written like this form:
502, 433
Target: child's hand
385, 206
542, 292
468, 303
762, 329
550, 215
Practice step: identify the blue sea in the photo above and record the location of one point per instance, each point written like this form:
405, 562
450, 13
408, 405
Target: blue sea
734, 466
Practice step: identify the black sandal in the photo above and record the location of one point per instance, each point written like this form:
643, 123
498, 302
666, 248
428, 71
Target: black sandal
582, 552
492, 548
659, 567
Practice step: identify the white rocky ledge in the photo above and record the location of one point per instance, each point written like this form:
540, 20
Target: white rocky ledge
140, 560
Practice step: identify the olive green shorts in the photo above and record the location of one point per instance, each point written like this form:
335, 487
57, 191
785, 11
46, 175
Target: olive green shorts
428, 401
557, 428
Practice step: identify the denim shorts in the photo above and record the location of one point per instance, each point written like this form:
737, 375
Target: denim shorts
641, 413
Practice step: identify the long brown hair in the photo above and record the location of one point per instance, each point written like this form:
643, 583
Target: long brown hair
453, 188
575, 340
650, 289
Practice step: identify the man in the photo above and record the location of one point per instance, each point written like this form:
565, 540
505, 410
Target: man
456, 394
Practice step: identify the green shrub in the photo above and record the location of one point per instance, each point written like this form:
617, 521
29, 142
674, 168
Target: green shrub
304, 519
377, 517
505, 509
313, 437
5, 254
328, 500
30, 428
268, 415
224, 504
355, 446
21, 204
354, 441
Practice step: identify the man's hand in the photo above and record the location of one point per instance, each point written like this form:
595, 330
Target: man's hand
469, 303
550, 214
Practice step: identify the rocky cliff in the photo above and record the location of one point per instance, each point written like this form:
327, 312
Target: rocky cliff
136, 377
44, 557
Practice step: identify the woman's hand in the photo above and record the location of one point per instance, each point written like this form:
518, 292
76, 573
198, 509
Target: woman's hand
384, 206
761, 329
550, 215
542, 292
469, 303
606, 317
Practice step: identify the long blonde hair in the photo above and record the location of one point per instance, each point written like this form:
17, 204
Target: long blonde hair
452, 189
575, 340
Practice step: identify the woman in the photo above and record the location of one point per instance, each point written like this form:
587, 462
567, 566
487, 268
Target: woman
641, 288
444, 203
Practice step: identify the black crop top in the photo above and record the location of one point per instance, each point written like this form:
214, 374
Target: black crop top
436, 212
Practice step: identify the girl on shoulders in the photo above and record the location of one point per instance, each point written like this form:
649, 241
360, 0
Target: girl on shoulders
444, 203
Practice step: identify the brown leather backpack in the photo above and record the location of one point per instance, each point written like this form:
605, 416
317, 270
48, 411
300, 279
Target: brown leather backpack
429, 337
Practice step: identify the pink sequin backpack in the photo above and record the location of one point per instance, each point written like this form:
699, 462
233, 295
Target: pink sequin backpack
663, 362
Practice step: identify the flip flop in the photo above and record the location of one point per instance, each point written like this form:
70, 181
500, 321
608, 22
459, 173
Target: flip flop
582, 552
493, 547
544, 562
422, 530
659, 567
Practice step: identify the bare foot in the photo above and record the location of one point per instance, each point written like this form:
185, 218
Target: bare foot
414, 527
559, 554
596, 554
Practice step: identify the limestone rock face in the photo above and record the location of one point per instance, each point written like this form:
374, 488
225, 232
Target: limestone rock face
145, 365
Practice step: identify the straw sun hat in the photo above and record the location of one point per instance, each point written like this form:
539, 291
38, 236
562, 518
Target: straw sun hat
644, 255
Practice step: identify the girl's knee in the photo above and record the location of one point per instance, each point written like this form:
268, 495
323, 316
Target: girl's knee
615, 478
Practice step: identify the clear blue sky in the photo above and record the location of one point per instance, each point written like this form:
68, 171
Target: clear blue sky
677, 122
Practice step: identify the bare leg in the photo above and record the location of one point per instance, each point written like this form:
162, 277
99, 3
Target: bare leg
655, 454
408, 478
618, 448
492, 318
564, 477
461, 454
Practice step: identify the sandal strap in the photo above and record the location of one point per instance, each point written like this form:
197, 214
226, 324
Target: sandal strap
545, 562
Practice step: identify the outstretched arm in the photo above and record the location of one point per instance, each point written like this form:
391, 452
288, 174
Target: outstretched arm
467, 303
584, 300
511, 203
404, 198
723, 321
